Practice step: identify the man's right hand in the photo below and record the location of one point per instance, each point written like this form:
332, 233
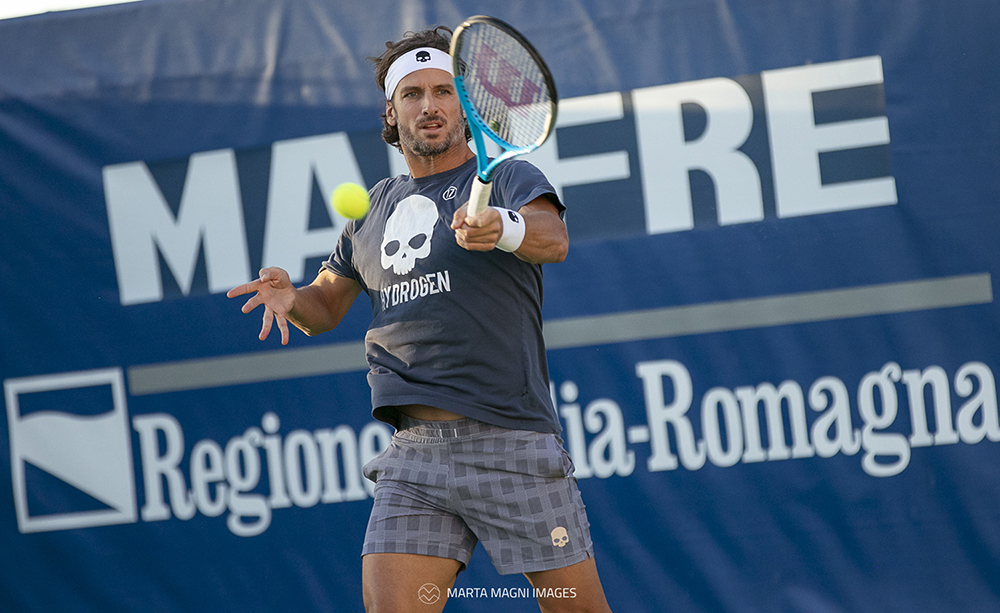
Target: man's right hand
276, 292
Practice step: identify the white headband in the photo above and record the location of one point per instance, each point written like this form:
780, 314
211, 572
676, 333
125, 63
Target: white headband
412, 61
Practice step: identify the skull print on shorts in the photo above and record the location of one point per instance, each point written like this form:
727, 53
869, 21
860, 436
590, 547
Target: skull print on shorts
408, 233
559, 537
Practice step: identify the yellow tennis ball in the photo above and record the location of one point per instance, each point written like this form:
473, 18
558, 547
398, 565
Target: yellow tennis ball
350, 200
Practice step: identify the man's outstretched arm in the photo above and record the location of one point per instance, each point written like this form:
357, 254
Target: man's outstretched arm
315, 308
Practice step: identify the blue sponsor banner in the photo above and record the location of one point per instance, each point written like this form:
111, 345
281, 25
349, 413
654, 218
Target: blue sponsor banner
773, 346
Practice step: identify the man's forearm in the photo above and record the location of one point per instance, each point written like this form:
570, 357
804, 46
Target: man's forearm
545, 239
320, 306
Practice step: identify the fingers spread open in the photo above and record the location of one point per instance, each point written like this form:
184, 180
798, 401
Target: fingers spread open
252, 304
266, 327
240, 290
283, 326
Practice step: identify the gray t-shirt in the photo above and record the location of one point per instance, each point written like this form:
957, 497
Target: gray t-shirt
451, 328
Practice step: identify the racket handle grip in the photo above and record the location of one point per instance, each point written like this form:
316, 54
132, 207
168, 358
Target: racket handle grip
479, 197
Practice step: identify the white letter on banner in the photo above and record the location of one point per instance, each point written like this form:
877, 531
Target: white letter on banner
288, 241
579, 170
157, 465
796, 140
728, 452
329, 441
302, 463
772, 398
666, 158
837, 415
659, 414
210, 215
608, 453
916, 383
207, 469
875, 443
243, 473
576, 439
972, 426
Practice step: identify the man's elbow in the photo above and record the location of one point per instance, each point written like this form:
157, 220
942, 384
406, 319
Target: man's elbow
553, 253
560, 251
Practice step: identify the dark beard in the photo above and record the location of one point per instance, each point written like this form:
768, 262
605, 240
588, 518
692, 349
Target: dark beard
426, 148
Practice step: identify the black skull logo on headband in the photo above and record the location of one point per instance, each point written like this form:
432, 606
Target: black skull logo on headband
423, 56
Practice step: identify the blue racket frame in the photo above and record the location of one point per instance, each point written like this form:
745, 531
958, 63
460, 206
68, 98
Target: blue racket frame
480, 194
478, 128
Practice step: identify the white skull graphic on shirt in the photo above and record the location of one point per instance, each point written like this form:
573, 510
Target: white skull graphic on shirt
408, 233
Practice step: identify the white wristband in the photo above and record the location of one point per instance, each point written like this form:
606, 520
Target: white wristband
513, 230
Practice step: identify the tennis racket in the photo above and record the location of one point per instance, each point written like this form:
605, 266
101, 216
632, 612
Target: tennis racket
507, 93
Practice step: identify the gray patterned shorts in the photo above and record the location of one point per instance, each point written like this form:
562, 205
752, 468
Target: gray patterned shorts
443, 486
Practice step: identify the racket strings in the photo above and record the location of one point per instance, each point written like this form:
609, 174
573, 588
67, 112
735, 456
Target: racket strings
505, 85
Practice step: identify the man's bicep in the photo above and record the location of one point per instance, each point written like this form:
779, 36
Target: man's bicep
541, 204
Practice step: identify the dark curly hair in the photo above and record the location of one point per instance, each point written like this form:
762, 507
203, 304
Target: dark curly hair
438, 38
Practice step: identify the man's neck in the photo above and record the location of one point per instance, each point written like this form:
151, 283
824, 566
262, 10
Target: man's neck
425, 166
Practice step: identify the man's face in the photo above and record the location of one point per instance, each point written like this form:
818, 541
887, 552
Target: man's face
426, 111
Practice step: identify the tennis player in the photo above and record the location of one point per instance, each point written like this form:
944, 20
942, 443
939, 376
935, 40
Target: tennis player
456, 356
